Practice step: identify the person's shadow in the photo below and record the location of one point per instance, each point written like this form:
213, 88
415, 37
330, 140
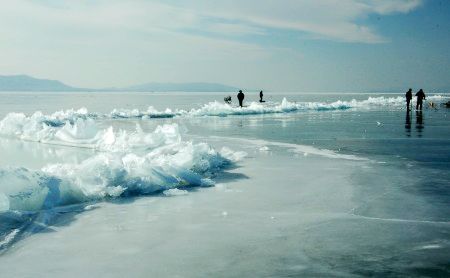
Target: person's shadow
419, 123
408, 124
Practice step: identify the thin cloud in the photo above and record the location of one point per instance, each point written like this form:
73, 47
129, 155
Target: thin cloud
326, 19
113, 43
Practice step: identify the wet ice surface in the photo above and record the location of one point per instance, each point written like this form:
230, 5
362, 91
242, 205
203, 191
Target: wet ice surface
357, 191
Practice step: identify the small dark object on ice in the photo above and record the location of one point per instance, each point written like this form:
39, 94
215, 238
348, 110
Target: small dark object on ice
227, 99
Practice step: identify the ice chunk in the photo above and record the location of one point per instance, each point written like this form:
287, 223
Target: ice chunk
4, 202
175, 192
85, 133
112, 175
231, 155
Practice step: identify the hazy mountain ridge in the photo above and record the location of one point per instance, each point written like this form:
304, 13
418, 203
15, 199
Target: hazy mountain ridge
186, 87
27, 83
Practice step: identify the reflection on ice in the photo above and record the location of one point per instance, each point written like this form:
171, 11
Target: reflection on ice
419, 123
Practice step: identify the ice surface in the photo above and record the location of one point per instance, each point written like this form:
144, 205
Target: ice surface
292, 207
296, 148
289, 217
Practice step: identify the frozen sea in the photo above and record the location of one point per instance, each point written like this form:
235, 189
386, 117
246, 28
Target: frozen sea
184, 185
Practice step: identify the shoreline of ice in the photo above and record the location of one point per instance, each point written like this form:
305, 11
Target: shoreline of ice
217, 109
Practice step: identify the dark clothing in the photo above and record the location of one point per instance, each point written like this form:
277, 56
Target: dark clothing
419, 105
261, 96
240, 97
408, 96
420, 97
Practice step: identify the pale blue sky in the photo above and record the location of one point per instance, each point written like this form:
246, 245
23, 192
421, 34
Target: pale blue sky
295, 45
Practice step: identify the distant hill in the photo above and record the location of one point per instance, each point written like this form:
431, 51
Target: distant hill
28, 83
180, 87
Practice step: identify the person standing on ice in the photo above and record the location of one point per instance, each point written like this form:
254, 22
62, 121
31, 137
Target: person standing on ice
420, 97
408, 96
240, 97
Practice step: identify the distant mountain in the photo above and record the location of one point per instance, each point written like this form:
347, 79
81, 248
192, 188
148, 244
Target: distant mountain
180, 87
28, 83
402, 90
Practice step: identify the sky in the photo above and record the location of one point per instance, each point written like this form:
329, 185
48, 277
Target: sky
275, 45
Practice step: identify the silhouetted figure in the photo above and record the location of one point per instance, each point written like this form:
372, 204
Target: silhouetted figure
261, 96
227, 99
420, 97
408, 96
419, 123
240, 97
447, 104
408, 123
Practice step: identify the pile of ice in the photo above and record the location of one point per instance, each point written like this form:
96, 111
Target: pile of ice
120, 169
82, 132
26, 194
151, 112
130, 163
222, 109
110, 175
127, 164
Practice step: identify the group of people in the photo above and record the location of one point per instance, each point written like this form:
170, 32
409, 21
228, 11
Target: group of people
241, 96
420, 97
